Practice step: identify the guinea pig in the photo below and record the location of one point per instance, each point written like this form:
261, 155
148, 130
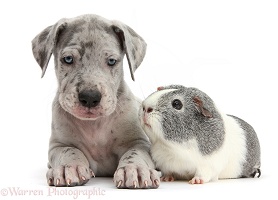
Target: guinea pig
192, 139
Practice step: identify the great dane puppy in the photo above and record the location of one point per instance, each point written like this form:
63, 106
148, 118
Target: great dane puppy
95, 126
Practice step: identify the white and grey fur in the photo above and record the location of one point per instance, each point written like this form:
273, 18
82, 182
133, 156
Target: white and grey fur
193, 140
95, 128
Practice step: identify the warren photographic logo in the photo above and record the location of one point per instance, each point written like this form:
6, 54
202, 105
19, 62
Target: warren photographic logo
74, 193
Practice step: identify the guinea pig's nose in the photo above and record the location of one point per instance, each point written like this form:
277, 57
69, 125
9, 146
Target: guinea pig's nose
148, 110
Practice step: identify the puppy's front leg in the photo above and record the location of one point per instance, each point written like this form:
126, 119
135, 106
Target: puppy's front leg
68, 166
136, 170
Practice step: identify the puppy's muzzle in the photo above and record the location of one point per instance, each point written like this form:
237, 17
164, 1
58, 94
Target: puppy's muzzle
89, 98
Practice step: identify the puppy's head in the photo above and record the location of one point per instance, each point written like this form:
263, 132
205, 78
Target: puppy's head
88, 54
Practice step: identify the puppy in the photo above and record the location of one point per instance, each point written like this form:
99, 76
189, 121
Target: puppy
95, 128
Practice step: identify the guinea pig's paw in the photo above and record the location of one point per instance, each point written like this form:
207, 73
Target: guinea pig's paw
133, 176
68, 175
167, 178
196, 180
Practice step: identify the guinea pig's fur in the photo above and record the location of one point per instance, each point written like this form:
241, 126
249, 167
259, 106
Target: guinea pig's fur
191, 139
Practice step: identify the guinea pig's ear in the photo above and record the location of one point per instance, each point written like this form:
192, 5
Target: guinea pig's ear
160, 88
200, 107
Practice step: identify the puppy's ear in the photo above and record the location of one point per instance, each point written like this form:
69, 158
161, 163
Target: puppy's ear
200, 107
133, 45
43, 44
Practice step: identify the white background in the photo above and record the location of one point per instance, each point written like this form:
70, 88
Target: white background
229, 49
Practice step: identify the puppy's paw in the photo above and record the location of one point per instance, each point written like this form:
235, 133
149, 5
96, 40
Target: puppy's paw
68, 175
133, 176
196, 180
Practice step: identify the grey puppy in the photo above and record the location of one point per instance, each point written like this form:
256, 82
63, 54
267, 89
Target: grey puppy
192, 139
95, 129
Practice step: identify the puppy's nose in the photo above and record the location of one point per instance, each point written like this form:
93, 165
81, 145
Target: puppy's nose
89, 98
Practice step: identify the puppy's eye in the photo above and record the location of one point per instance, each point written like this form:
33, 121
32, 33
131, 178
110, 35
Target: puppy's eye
177, 104
111, 62
68, 59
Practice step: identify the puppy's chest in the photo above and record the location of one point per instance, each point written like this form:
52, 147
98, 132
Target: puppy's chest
98, 141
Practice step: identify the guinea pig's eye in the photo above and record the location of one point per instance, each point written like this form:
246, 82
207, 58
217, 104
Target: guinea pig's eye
177, 104
111, 62
68, 59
